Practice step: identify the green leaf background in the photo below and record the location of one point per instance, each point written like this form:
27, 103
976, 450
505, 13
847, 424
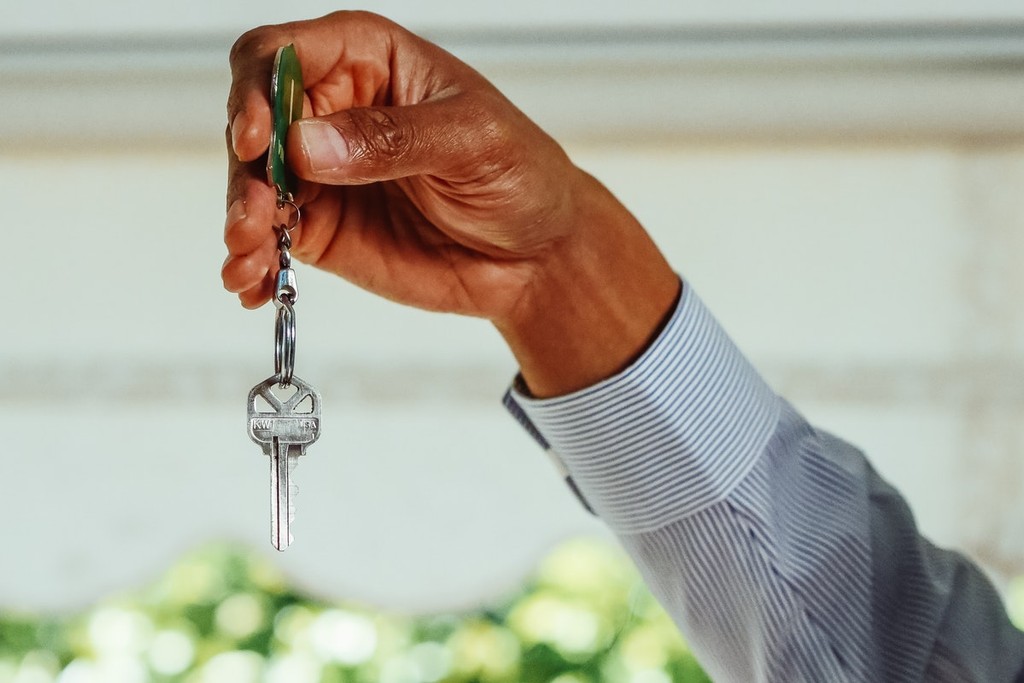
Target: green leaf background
224, 614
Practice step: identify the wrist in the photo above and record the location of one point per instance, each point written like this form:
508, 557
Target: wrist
595, 301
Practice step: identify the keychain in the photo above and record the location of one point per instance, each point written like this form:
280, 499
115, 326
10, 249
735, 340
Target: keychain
293, 422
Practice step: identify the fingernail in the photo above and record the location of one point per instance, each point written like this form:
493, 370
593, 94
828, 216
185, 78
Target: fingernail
236, 212
323, 146
236, 131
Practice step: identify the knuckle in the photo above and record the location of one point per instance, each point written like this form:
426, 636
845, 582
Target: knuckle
251, 42
242, 46
495, 127
363, 18
496, 136
380, 136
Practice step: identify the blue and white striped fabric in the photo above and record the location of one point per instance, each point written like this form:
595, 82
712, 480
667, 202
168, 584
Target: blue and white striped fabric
779, 552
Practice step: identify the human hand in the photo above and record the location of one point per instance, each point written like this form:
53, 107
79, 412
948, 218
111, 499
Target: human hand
422, 183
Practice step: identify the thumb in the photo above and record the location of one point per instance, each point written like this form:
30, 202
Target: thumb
370, 144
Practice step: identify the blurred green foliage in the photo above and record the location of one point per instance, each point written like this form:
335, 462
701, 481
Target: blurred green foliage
225, 614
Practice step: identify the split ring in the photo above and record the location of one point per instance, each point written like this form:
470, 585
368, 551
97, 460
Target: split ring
284, 343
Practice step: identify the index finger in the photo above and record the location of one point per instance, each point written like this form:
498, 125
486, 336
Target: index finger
252, 58
321, 45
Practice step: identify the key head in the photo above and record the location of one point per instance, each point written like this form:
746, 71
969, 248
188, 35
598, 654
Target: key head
289, 419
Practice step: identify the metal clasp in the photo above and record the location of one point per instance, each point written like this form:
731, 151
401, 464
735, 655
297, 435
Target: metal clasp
287, 289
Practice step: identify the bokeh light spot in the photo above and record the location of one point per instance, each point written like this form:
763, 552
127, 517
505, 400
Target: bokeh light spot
294, 668
344, 637
239, 666
171, 652
1015, 601
114, 631
433, 660
240, 615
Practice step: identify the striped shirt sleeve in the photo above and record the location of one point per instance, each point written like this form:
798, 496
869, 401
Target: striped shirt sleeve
779, 552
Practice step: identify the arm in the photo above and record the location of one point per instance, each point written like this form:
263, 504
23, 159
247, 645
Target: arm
774, 546
426, 186
780, 553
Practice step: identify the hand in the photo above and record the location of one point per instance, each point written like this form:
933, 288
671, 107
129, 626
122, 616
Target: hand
422, 183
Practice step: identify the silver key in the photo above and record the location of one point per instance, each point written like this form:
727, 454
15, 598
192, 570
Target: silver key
283, 432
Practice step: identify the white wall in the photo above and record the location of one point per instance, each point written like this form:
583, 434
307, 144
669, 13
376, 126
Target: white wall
851, 209
877, 288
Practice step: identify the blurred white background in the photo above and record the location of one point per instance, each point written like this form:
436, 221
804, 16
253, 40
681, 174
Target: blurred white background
843, 183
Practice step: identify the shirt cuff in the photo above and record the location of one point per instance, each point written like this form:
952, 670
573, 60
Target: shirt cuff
668, 436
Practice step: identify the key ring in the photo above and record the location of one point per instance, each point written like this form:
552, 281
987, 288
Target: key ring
285, 199
284, 344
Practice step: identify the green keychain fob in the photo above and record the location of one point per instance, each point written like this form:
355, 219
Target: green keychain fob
285, 106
